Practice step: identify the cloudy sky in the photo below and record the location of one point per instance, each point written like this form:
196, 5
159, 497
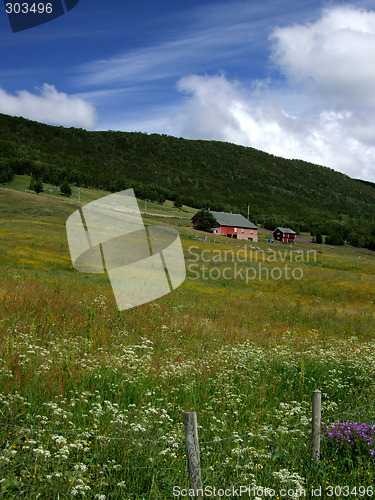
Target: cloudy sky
295, 78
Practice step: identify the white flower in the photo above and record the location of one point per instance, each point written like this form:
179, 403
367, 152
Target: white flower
41, 451
59, 439
82, 467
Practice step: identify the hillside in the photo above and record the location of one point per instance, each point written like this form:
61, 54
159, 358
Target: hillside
221, 175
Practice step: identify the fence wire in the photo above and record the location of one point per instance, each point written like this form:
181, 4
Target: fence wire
148, 469
247, 434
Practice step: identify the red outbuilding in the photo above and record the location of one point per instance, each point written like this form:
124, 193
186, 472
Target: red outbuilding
284, 234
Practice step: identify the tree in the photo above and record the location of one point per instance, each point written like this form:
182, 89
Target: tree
36, 185
335, 239
65, 188
178, 202
205, 220
6, 174
206, 204
319, 238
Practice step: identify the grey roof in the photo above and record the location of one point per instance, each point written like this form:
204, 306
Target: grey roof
235, 220
285, 230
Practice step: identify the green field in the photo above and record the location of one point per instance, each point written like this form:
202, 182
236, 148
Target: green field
92, 399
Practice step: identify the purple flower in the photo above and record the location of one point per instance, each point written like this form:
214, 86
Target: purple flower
355, 436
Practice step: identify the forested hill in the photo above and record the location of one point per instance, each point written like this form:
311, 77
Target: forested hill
222, 175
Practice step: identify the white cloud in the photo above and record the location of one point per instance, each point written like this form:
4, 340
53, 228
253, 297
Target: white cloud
49, 106
223, 110
325, 111
333, 57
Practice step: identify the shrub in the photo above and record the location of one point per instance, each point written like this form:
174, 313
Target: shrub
178, 202
335, 239
6, 174
36, 185
205, 220
65, 188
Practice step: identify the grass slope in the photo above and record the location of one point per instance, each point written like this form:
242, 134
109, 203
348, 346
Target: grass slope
245, 356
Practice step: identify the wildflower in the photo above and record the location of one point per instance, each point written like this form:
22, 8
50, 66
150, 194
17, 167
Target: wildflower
354, 437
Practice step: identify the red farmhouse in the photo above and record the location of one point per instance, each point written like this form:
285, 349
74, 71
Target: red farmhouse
233, 226
284, 234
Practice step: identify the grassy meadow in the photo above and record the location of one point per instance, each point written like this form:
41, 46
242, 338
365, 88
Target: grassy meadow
92, 398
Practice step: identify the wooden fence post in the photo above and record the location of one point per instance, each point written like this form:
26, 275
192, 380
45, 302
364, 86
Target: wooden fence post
192, 451
316, 425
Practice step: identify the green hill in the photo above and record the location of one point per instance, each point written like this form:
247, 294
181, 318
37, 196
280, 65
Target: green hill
220, 175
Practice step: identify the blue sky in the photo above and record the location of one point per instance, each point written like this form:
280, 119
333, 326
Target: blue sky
294, 78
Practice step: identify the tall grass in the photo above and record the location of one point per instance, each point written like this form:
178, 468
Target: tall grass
92, 399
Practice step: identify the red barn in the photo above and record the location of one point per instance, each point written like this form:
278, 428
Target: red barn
284, 234
233, 226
